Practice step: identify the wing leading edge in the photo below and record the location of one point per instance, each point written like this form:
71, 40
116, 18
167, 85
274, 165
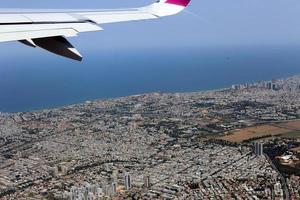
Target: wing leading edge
48, 29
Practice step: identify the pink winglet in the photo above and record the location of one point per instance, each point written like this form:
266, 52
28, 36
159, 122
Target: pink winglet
179, 2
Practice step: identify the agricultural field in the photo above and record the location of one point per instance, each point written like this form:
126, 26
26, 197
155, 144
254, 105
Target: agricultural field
293, 134
290, 129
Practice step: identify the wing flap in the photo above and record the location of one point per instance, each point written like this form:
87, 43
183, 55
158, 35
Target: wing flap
15, 36
13, 18
79, 27
31, 31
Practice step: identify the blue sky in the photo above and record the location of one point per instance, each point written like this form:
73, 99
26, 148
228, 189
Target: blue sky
212, 23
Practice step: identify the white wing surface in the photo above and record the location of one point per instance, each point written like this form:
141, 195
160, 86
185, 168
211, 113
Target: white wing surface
48, 29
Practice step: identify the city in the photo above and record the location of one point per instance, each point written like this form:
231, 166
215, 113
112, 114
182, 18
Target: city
158, 146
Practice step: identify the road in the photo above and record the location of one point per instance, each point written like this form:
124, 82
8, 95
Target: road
286, 192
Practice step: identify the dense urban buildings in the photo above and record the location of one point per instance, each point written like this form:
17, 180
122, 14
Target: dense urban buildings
157, 146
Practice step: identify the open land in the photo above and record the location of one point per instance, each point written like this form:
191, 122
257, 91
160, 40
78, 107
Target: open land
289, 129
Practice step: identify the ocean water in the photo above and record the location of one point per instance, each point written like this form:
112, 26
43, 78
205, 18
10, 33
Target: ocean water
31, 83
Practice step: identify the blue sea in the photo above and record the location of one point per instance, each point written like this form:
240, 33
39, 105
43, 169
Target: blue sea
31, 83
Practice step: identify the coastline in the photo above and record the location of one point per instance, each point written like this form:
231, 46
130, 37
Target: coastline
84, 101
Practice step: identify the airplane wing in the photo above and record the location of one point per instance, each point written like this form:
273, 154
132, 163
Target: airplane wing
49, 29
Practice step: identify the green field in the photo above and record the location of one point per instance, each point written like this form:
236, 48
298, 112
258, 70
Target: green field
293, 134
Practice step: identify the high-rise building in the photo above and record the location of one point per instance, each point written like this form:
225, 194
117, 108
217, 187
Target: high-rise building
270, 85
127, 181
258, 149
147, 183
113, 188
87, 189
94, 188
274, 86
106, 191
74, 193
